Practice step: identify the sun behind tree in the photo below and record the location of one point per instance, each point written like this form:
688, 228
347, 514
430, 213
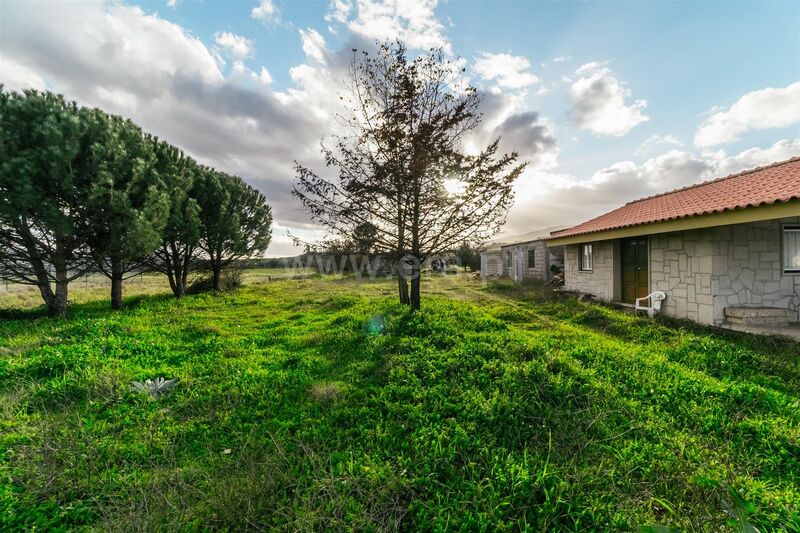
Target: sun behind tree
400, 151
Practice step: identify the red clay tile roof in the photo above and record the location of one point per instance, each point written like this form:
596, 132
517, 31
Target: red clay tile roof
770, 184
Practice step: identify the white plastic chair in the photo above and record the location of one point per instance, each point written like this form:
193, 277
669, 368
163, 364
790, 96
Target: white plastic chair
655, 303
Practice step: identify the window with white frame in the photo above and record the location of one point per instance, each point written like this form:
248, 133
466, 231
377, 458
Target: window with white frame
791, 249
586, 257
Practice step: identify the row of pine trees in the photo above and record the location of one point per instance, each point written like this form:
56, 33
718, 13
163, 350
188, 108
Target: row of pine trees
84, 191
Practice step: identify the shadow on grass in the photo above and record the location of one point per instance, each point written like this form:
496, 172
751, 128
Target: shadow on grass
600, 317
768, 360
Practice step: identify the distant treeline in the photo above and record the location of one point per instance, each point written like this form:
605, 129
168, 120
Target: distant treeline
82, 191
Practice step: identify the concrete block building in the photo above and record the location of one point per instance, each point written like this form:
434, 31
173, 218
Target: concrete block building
522, 260
492, 263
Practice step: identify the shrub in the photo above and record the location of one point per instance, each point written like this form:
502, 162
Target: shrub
230, 280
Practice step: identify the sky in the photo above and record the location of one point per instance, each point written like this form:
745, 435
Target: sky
608, 101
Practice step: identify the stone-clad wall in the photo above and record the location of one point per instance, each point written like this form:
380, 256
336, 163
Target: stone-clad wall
681, 266
601, 281
748, 268
705, 271
702, 271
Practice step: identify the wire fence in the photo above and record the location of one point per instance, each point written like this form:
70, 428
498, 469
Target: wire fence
91, 280
150, 280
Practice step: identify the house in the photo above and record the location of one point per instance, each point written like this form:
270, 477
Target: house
726, 251
530, 259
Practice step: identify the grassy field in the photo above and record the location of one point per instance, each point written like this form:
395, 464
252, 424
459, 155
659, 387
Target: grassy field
96, 286
321, 404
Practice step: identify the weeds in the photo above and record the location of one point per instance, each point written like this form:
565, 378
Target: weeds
314, 405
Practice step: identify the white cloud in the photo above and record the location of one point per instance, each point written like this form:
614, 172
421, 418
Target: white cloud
590, 67
548, 198
239, 69
531, 137
126, 61
265, 76
599, 102
561, 59
266, 12
314, 45
753, 157
111, 45
505, 70
551, 199
519, 130
16, 76
757, 110
339, 11
412, 21
649, 144
236, 45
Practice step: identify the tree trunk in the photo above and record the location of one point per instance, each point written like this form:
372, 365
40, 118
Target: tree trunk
182, 280
45, 289
178, 270
59, 303
56, 302
403, 274
402, 288
216, 277
116, 284
415, 286
48, 296
172, 284
180, 287
177, 281
184, 264
416, 254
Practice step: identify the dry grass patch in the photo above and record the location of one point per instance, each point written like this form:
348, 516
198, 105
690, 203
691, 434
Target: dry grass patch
326, 391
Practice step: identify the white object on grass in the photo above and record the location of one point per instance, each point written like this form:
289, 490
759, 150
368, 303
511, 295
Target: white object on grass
655, 303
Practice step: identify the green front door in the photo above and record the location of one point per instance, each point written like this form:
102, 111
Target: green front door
635, 280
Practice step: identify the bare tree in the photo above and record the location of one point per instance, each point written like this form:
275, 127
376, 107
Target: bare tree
402, 142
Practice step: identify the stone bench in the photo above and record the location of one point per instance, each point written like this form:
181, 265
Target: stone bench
774, 317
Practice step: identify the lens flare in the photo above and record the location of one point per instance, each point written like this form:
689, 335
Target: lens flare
375, 325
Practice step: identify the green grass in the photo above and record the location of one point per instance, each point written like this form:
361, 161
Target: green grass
322, 404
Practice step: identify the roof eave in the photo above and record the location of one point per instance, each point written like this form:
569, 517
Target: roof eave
723, 218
